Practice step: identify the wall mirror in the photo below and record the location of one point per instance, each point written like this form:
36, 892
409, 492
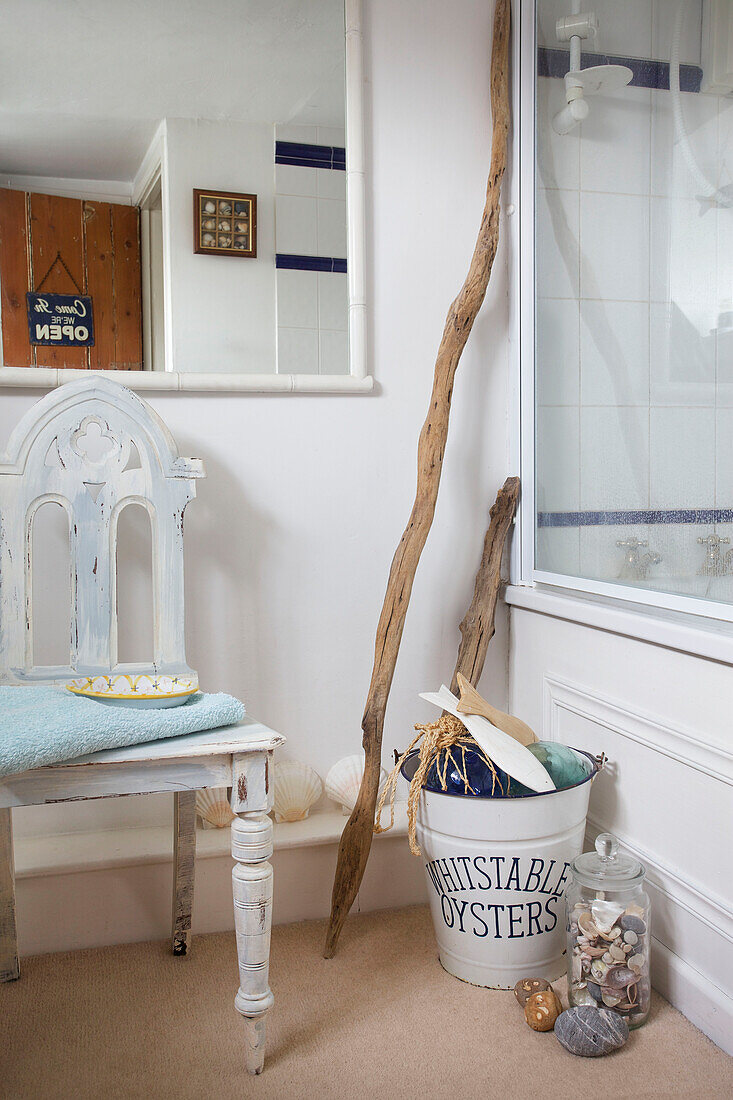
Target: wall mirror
182, 194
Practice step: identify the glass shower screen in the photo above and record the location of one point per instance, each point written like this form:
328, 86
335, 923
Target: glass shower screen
634, 297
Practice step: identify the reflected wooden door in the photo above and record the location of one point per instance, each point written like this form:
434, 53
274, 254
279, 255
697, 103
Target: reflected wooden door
99, 244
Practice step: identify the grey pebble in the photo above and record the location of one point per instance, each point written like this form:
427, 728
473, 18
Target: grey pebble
594, 990
590, 1032
630, 923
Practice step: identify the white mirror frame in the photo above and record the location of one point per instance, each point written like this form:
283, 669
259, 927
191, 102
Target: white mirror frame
358, 380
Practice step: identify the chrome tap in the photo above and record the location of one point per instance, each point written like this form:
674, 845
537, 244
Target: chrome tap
636, 565
716, 564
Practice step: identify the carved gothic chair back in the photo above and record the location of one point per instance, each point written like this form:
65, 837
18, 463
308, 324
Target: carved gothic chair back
93, 447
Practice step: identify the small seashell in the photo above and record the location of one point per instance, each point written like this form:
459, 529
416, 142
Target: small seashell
594, 990
617, 953
627, 948
631, 937
585, 922
208, 223
526, 987
297, 788
595, 952
620, 976
212, 806
225, 226
209, 207
608, 958
344, 780
605, 915
635, 962
209, 240
225, 207
610, 1000
241, 227
598, 969
581, 996
613, 934
542, 1009
577, 968
224, 242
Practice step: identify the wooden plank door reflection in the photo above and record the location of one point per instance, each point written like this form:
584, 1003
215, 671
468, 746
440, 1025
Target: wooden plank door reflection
100, 246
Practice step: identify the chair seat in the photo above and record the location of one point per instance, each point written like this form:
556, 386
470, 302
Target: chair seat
249, 735
186, 763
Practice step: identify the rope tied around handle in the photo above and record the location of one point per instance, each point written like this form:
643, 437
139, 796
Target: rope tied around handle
442, 742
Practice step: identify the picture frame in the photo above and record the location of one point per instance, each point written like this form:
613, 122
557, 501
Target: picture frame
224, 223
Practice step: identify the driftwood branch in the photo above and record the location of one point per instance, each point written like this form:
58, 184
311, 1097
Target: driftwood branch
477, 628
356, 838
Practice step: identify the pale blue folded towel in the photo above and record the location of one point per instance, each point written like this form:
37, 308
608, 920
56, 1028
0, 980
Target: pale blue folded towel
46, 725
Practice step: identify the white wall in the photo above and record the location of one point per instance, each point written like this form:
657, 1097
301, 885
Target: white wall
222, 307
290, 539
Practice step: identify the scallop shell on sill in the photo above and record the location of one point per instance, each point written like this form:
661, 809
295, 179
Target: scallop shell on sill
297, 788
344, 780
212, 806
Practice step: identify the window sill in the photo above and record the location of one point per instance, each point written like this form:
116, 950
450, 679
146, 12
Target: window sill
74, 853
193, 382
694, 634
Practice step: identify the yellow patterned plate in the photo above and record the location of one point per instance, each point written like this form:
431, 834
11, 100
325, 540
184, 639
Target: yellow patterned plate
145, 691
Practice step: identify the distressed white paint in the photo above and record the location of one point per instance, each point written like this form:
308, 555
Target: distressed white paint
252, 885
93, 447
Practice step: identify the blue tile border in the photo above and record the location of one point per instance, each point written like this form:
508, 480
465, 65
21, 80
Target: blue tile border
702, 516
648, 73
310, 156
310, 263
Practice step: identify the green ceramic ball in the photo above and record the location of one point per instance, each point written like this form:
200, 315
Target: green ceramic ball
564, 765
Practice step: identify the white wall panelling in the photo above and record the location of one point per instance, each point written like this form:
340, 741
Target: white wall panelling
668, 789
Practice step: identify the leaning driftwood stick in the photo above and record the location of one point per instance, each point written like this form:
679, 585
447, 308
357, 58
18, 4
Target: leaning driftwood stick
477, 628
356, 838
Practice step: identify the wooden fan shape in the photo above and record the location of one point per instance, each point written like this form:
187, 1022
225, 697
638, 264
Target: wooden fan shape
473, 703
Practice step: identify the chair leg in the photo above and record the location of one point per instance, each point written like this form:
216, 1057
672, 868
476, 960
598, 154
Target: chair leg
184, 858
9, 965
252, 883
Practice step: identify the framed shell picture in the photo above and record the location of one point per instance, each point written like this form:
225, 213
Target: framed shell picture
224, 223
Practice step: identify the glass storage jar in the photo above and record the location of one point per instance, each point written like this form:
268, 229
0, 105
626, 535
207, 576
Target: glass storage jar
608, 926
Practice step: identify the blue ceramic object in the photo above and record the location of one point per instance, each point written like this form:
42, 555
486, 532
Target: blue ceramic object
484, 782
565, 767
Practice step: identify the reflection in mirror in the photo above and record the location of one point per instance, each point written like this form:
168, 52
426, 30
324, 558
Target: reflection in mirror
110, 123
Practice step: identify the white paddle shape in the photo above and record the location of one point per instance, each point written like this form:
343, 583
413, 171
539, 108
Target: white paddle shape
507, 753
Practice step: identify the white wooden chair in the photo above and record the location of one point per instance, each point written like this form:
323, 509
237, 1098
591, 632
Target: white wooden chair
94, 447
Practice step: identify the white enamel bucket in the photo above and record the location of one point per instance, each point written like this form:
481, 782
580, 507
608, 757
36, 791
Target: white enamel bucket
496, 870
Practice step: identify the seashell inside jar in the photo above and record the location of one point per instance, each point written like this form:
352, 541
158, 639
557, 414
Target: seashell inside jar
608, 921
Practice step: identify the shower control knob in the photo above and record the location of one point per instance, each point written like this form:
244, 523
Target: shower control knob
576, 26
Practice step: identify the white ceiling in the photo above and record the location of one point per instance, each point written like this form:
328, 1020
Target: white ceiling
84, 83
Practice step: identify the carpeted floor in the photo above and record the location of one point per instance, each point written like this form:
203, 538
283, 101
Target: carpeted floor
380, 1020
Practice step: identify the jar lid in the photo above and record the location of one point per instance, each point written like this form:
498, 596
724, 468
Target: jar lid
606, 868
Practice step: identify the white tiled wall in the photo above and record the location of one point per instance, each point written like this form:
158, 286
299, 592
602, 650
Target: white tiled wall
634, 363
310, 220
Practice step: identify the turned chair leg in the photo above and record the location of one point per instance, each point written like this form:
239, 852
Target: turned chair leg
184, 858
252, 885
9, 965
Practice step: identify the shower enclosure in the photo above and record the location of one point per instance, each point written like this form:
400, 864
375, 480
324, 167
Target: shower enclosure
631, 298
